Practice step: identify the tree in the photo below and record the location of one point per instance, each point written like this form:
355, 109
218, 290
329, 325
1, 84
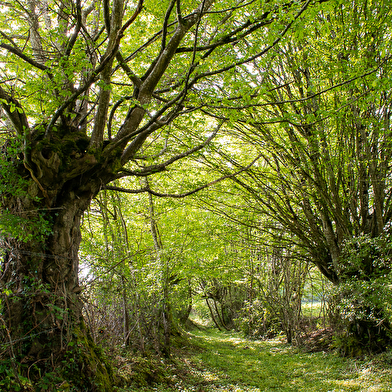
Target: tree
90, 91
323, 128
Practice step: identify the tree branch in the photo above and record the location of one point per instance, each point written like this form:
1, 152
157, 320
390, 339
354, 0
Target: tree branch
165, 23
78, 26
179, 14
14, 111
106, 15
96, 73
170, 50
115, 36
182, 195
24, 57
162, 166
252, 58
131, 75
130, 126
232, 36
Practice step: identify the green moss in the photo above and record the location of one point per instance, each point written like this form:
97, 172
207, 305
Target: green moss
86, 367
140, 372
65, 144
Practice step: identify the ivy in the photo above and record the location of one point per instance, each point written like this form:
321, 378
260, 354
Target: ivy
13, 184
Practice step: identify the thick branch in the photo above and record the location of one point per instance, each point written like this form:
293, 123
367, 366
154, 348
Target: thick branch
170, 50
140, 135
165, 23
131, 75
78, 26
115, 36
133, 120
179, 14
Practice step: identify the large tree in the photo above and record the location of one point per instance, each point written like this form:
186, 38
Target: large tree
91, 92
326, 172
323, 128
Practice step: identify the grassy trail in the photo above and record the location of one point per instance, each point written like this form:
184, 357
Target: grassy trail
226, 362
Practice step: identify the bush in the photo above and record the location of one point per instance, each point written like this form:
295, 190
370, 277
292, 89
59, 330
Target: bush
257, 321
363, 297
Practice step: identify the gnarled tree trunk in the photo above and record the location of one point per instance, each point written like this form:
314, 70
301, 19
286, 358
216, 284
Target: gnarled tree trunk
41, 304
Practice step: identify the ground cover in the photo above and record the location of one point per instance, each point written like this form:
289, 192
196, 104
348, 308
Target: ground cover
219, 361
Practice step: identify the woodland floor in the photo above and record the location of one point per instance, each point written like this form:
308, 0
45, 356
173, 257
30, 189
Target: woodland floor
220, 361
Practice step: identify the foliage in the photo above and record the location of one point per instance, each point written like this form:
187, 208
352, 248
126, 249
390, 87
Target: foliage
257, 321
320, 127
363, 299
23, 225
276, 289
10, 380
131, 298
322, 134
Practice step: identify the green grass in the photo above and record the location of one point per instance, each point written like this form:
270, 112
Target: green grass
218, 361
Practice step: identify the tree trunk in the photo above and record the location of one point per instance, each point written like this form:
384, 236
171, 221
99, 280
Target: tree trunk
127, 330
42, 308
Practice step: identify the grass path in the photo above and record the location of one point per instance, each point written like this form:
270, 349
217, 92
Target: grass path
221, 361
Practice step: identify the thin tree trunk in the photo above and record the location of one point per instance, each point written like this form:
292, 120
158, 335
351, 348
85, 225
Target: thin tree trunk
166, 308
125, 313
220, 317
212, 315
